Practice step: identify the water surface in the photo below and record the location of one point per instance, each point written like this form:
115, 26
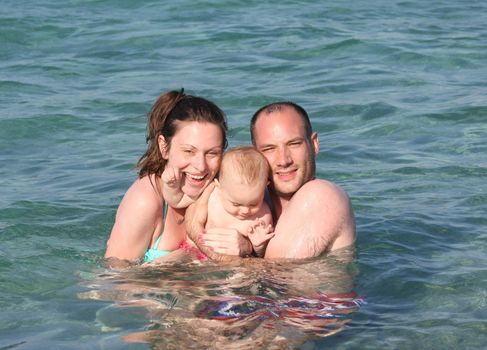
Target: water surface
396, 91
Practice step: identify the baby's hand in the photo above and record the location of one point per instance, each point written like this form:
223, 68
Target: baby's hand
259, 233
171, 177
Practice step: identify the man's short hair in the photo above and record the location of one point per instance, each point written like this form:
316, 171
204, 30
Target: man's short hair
276, 107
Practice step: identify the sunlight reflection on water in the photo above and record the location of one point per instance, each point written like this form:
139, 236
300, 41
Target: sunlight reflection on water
245, 306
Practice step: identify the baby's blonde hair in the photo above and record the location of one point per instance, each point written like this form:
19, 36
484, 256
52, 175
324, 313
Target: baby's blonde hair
246, 163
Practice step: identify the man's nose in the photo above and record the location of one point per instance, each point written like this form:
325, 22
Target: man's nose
284, 157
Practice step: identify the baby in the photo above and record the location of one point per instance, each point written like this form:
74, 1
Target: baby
238, 198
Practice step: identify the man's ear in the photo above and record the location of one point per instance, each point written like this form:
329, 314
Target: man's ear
163, 147
315, 143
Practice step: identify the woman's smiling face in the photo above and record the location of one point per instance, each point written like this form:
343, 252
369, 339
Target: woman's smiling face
196, 150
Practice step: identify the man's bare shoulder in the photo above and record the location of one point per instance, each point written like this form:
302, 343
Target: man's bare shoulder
318, 189
335, 202
319, 218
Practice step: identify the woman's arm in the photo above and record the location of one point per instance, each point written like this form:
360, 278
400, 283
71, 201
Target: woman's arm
138, 217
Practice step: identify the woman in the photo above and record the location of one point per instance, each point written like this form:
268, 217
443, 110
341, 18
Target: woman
184, 132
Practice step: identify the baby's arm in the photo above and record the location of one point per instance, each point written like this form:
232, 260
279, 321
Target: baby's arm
171, 189
259, 234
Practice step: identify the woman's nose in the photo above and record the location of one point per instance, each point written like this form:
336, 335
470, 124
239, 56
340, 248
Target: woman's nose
199, 162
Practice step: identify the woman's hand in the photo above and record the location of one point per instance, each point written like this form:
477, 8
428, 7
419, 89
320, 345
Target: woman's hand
226, 241
171, 177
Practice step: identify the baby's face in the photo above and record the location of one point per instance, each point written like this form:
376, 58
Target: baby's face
241, 200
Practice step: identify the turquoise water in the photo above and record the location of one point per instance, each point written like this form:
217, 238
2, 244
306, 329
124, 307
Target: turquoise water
397, 91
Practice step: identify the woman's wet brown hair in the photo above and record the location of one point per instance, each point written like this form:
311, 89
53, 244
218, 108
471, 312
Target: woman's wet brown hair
170, 109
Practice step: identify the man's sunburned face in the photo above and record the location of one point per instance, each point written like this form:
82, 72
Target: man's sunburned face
281, 137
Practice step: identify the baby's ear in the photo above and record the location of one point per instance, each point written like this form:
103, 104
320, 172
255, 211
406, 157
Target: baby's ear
217, 183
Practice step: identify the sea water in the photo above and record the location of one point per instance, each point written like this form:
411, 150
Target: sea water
397, 93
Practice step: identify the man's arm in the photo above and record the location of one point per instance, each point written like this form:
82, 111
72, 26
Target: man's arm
218, 243
319, 218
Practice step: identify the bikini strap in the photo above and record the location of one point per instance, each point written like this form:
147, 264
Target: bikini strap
164, 212
156, 244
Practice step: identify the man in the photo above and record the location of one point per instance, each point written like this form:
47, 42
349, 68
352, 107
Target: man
313, 216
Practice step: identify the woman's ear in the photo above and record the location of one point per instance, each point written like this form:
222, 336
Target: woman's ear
163, 147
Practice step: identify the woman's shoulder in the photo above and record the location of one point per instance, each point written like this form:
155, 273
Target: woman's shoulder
144, 195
